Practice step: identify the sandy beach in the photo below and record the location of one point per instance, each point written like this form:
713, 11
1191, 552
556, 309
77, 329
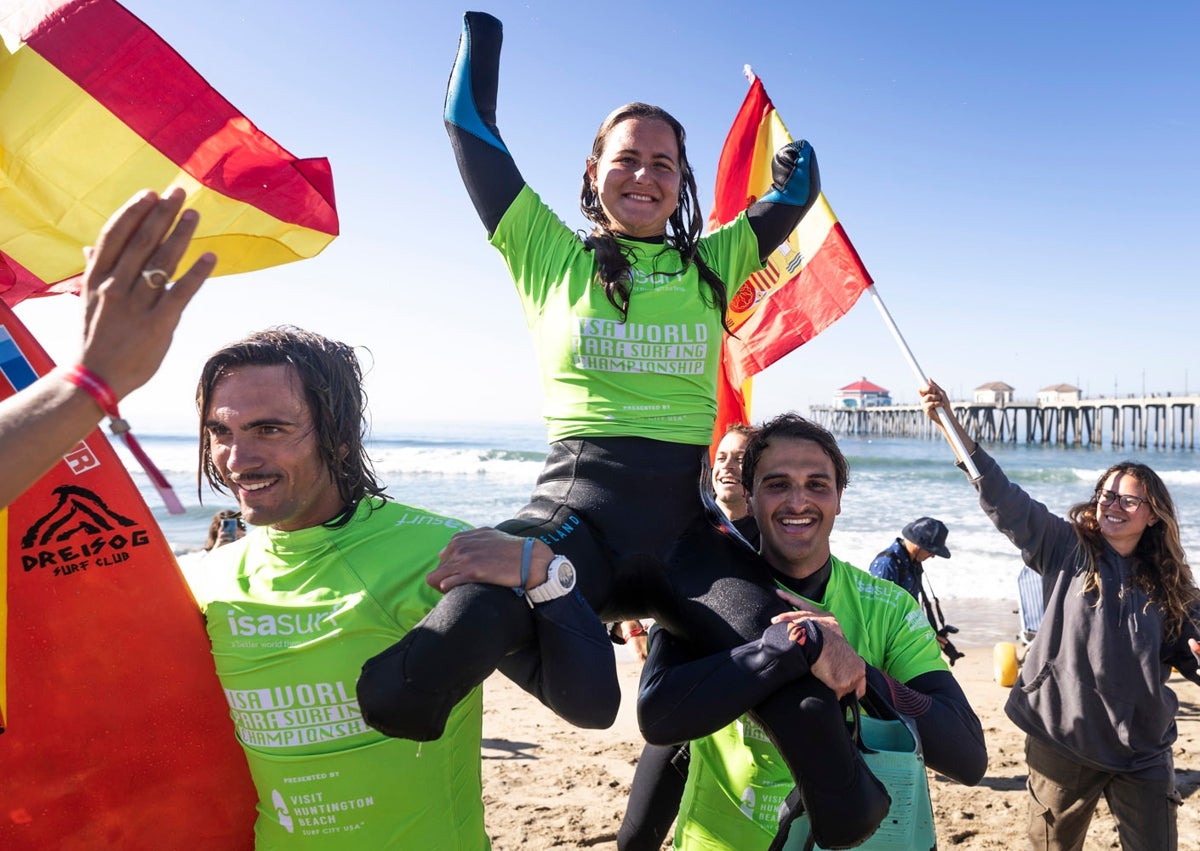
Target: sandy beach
549, 785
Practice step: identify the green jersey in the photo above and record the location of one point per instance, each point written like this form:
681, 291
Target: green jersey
653, 375
737, 781
292, 616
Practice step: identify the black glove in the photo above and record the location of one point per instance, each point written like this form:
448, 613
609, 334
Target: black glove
795, 176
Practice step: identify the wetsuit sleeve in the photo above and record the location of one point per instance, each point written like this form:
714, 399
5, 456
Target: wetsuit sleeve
795, 186
684, 697
487, 168
951, 735
570, 669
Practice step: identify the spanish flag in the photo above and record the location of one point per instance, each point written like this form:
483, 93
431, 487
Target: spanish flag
95, 107
810, 281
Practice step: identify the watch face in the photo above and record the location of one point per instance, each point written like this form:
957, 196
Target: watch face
566, 574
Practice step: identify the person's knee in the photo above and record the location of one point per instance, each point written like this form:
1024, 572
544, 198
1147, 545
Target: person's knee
408, 690
391, 704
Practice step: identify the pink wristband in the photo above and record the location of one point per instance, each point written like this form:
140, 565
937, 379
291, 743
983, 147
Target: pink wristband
98, 389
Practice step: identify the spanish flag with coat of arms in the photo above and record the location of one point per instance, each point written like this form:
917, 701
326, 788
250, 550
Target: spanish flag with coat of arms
810, 281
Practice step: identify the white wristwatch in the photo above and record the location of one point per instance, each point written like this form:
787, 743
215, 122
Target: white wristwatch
560, 581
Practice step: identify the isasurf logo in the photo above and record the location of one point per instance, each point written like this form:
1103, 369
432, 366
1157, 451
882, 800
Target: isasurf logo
78, 533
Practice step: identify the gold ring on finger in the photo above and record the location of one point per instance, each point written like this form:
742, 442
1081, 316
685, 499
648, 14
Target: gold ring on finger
155, 278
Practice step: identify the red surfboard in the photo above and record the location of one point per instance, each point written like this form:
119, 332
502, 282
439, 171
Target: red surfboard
116, 731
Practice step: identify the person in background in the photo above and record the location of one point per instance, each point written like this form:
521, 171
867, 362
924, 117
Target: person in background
632, 634
847, 629
920, 540
730, 497
902, 563
728, 491
129, 315
334, 573
226, 527
662, 770
1121, 608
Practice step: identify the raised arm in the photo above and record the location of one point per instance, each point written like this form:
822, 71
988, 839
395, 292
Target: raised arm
129, 318
795, 185
1046, 540
487, 168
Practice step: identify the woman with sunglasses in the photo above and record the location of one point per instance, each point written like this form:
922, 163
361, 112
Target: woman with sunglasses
1121, 609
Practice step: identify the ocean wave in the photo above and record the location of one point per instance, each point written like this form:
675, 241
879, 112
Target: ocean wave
485, 474
474, 462
1179, 477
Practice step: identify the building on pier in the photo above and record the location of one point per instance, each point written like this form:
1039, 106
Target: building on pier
993, 393
862, 394
1159, 421
1058, 394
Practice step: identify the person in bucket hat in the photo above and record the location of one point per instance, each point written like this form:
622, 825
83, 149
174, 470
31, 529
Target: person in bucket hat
901, 563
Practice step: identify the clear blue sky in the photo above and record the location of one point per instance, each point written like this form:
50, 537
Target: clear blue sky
1020, 178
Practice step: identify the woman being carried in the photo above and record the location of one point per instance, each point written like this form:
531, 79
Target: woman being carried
627, 324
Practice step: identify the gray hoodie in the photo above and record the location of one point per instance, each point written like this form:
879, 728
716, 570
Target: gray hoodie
1093, 683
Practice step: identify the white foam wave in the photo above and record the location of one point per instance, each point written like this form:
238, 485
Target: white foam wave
400, 462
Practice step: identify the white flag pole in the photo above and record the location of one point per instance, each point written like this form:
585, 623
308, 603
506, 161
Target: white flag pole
951, 434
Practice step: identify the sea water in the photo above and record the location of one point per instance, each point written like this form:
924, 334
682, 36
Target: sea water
483, 473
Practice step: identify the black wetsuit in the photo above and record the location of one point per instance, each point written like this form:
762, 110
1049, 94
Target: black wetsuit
675, 702
625, 511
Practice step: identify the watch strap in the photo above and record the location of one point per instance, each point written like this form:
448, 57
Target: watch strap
553, 587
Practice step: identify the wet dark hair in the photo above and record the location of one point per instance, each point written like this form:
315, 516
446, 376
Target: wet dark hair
331, 377
1160, 563
792, 426
683, 227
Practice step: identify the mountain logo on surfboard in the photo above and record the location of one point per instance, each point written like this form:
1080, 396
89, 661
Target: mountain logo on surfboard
79, 532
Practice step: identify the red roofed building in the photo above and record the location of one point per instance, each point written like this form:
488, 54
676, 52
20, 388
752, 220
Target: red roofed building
862, 394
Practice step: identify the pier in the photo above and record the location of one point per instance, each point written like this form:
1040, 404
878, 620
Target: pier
1160, 422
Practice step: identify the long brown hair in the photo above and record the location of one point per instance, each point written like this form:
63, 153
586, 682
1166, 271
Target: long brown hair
331, 377
683, 227
1160, 563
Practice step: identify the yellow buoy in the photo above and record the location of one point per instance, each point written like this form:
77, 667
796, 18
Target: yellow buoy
1004, 662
